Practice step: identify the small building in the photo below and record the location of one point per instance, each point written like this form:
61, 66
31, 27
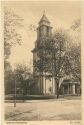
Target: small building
69, 87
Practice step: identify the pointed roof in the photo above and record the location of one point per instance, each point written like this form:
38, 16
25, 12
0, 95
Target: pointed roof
44, 18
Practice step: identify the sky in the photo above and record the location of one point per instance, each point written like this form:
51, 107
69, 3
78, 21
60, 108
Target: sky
60, 14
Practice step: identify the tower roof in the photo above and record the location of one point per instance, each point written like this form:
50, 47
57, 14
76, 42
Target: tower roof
44, 18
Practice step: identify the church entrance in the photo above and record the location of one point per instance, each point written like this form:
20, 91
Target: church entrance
48, 86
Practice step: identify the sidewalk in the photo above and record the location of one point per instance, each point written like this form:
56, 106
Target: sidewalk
41, 100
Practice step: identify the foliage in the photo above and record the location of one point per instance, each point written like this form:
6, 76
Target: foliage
58, 56
12, 22
23, 77
73, 55
9, 79
76, 24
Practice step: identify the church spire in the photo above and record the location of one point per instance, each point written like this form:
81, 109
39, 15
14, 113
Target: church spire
44, 18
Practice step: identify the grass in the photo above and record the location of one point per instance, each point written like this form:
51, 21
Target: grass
36, 97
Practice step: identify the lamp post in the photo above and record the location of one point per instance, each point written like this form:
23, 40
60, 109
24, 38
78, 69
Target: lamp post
23, 77
15, 92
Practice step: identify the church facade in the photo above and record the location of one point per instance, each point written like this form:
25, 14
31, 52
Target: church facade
44, 81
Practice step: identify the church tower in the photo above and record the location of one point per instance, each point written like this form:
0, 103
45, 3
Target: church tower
44, 28
42, 84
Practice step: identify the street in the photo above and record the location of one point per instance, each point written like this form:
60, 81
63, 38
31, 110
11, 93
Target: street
52, 109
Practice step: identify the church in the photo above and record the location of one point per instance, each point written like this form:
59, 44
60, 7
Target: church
45, 81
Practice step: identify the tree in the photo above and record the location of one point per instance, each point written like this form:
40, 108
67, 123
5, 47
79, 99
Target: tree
74, 51
76, 24
9, 80
60, 65
23, 77
53, 56
12, 22
74, 59
11, 36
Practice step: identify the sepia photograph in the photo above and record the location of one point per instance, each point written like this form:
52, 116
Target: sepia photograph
42, 60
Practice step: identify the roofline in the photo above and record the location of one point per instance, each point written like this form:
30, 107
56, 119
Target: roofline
43, 25
43, 20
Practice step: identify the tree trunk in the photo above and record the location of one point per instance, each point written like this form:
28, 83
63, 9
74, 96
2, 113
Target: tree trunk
57, 89
45, 82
